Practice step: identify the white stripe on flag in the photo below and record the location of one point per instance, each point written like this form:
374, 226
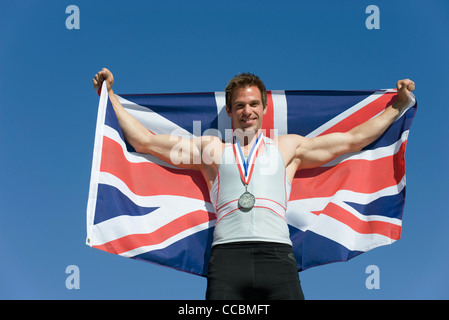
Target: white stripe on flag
224, 122
279, 111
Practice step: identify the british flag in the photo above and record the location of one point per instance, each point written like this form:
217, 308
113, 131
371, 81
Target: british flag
143, 208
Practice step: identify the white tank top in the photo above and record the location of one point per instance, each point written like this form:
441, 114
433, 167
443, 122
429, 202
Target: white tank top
266, 221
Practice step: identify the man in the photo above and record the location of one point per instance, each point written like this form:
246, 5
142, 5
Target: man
249, 181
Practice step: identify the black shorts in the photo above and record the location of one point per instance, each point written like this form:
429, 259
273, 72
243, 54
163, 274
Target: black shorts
253, 271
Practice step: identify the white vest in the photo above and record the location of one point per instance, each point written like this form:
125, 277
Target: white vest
266, 221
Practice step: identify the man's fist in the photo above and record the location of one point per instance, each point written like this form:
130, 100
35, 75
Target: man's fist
405, 87
103, 75
405, 84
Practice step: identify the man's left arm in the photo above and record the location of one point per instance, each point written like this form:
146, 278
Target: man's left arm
320, 150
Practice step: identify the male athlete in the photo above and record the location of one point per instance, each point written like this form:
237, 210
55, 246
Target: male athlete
249, 181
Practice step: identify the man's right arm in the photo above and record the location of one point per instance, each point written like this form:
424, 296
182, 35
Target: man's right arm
175, 150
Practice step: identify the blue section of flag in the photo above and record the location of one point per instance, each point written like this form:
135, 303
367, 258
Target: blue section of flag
388, 206
183, 109
112, 203
307, 110
313, 249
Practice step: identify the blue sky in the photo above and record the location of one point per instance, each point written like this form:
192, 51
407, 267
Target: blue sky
48, 115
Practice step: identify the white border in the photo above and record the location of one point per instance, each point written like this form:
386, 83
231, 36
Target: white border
96, 161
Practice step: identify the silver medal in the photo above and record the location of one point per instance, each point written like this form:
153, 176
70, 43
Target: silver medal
247, 200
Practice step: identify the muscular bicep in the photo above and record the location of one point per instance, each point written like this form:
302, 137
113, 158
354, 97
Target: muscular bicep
178, 151
314, 152
183, 152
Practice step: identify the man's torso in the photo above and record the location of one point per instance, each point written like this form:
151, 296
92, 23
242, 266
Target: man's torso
270, 186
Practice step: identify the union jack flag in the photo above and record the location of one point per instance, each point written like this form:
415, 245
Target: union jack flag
143, 208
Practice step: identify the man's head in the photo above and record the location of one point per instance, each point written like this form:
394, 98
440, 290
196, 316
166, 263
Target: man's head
244, 80
246, 100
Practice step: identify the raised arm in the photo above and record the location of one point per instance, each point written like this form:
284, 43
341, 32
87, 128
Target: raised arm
181, 152
314, 152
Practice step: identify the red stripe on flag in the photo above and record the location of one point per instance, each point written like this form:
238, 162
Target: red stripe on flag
336, 212
148, 179
134, 241
364, 114
365, 176
268, 118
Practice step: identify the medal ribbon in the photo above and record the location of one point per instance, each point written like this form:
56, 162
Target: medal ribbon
246, 167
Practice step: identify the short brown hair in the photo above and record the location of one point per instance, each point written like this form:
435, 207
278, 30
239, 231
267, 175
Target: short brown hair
244, 80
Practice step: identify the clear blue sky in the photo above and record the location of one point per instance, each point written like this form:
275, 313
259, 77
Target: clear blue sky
48, 114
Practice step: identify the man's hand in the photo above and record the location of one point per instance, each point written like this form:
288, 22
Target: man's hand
103, 75
405, 87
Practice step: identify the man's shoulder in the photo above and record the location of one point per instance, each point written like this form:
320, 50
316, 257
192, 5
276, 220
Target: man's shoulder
288, 144
289, 139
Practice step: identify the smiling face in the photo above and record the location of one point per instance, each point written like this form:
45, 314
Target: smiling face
246, 110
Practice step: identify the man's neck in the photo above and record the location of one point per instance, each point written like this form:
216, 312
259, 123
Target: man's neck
246, 138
